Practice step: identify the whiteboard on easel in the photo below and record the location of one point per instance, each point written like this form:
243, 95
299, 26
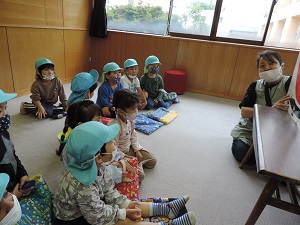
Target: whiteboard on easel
294, 92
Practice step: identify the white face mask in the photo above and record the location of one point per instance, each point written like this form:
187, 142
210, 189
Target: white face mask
271, 76
131, 76
14, 214
51, 77
131, 117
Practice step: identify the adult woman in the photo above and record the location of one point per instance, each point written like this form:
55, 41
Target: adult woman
270, 90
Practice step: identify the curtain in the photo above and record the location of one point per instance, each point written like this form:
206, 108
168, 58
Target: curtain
99, 20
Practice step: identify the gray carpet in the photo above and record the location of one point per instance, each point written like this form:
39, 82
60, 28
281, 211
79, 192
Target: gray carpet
194, 157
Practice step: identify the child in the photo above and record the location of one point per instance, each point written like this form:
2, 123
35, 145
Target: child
83, 86
9, 161
45, 91
126, 103
131, 82
86, 194
10, 210
271, 90
111, 83
80, 112
152, 83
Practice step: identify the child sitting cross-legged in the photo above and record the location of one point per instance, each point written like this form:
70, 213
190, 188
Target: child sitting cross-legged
86, 194
126, 104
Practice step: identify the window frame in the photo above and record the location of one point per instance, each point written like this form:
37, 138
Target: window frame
214, 29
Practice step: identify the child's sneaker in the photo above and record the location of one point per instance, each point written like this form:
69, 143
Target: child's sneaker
59, 116
22, 109
175, 100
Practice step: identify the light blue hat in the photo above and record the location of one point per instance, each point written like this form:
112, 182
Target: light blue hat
81, 82
152, 59
130, 63
4, 178
4, 97
83, 143
42, 61
112, 66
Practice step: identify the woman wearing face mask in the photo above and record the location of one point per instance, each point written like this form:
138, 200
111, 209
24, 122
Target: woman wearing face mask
152, 82
271, 90
10, 210
126, 103
45, 91
111, 83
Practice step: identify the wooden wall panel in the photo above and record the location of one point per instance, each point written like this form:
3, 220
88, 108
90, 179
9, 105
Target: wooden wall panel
246, 70
77, 13
110, 49
209, 66
6, 79
77, 53
31, 13
26, 45
139, 47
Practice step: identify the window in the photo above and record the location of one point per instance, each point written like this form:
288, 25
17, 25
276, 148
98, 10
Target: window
143, 16
259, 22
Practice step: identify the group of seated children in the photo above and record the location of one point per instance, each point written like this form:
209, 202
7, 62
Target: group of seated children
86, 194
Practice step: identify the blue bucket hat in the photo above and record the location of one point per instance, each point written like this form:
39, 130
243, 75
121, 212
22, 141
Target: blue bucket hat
152, 59
112, 66
42, 61
81, 82
83, 143
130, 63
4, 178
4, 97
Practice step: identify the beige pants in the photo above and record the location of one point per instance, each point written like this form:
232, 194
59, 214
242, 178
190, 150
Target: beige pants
148, 161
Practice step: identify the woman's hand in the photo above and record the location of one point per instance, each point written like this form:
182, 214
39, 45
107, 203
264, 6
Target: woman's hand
282, 103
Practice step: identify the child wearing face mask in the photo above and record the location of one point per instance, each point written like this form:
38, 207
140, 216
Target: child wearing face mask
9, 161
78, 113
111, 83
152, 83
86, 193
10, 210
45, 91
126, 103
271, 90
83, 86
131, 82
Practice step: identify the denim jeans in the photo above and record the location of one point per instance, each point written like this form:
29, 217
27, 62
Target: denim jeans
239, 150
161, 103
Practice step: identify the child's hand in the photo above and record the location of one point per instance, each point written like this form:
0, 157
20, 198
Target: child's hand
134, 214
23, 180
155, 101
133, 204
19, 193
142, 105
41, 113
139, 156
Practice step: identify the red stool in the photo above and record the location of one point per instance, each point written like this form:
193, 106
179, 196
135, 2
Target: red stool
175, 80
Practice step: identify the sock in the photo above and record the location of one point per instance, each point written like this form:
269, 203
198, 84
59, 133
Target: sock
170, 209
187, 219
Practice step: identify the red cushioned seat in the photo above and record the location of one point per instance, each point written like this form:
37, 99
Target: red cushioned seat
175, 80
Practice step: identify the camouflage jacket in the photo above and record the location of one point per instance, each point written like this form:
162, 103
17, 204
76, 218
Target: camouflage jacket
98, 203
